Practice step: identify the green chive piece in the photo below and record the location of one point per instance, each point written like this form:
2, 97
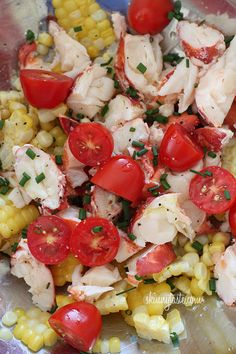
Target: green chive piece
164, 182
128, 312
155, 161
170, 283
132, 92
172, 58
228, 40
24, 233
203, 174
212, 154
132, 237
134, 155
139, 144
82, 214
4, 190
116, 84
97, 229
86, 199
137, 277
171, 15
53, 309
122, 224
149, 281
14, 246
174, 339
227, 195
126, 291
187, 63
79, 116
161, 119
142, 152
30, 37
142, 68
151, 112
212, 284
40, 178
24, 179
4, 182
78, 29
31, 153
207, 173
197, 246
109, 70
2, 122
154, 190
108, 62
104, 110
154, 151
126, 209
58, 159
132, 129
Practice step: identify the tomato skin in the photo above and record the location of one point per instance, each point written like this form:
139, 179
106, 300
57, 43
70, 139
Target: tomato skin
68, 124
91, 143
188, 121
178, 150
210, 138
149, 16
232, 219
51, 246
25, 51
207, 193
121, 175
71, 322
95, 249
230, 119
45, 89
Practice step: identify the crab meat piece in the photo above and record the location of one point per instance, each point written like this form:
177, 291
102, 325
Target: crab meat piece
35, 274
196, 215
121, 110
180, 83
136, 50
104, 204
91, 91
161, 220
71, 213
217, 88
101, 276
50, 190
71, 54
201, 43
225, 272
123, 137
18, 195
127, 248
156, 134
119, 24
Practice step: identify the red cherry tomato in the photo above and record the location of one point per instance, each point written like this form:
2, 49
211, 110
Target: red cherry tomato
178, 150
149, 16
79, 324
45, 89
232, 219
95, 241
214, 194
91, 143
231, 116
121, 175
48, 239
26, 52
68, 124
188, 121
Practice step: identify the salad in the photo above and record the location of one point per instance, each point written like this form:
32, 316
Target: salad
118, 171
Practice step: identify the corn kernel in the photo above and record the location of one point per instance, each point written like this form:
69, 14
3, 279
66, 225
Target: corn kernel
84, 10
134, 299
200, 271
216, 247
189, 248
35, 342
93, 8
19, 330
109, 40
104, 347
99, 16
65, 23
57, 68
57, 3
99, 43
183, 284
19, 312
27, 334
14, 105
162, 288
48, 126
5, 334
103, 25
49, 337
4, 113
42, 49
44, 139
203, 284
9, 319
155, 308
175, 322
194, 288
93, 34
70, 5
97, 346
60, 13
192, 258
40, 328
114, 345
206, 259
56, 132
75, 15
33, 312
63, 300
22, 319
221, 237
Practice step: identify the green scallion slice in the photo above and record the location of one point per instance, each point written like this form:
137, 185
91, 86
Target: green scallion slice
40, 178
137, 277
155, 161
86, 199
109, 70
149, 281
174, 339
142, 68
126, 209
4, 190
164, 182
24, 179
104, 110
151, 112
30, 36
227, 195
58, 159
126, 291
142, 152
212, 154
2, 122
187, 63
116, 84
107, 62
132, 129
132, 92
161, 119
79, 116
31, 153
132, 237
78, 29
170, 283
97, 229
212, 284
82, 214
128, 312
24, 233
197, 246
154, 151
139, 144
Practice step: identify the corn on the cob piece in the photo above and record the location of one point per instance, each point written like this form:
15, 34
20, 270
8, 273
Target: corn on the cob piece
87, 22
152, 327
62, 272
175, 322
107, 346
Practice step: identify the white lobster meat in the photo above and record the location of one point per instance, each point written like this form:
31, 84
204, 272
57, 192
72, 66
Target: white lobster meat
101, 276
104, 204
35, 274
225, 272
201, 43
127, 248
50, 190
91, 91
119, 24
121, 110
72, 55
217, 88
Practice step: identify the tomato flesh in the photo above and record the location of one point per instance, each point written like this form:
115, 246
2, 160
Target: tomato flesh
45, 89
79, 324
214, 194
231, 116
95, 248
68, 124
149, 16
178, 150
122, 176
232, 219
48, 239
25, 51
91, 143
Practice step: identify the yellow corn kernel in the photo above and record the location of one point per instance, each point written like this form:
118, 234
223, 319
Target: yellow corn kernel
179, 267
103, 25
93, 8
89, 23
114, 345
57, 68
49, 337
42, 49
27, 334
22, 319
63, 300
162, 288
33, 312
107, 33
43, 317
64, 22
57, 3
183, 284
134, 299
5, 334
155, 308
70, 5
145, 289
221, 237
4, 113
203, 284
44, 139
93, 34
84, 11
60, 13
175, 322
188, 248
109, 40
56, 132
216, 247
9, 319
19, 312
19, 330
14, 105
97, 346
40, 328
35, 342
48, 126
200, 271
206, 259
162, 276
192, 258
194, 288
62, 272
60, 141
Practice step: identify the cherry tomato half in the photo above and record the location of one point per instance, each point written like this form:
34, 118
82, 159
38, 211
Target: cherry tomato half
95, 241
231, 116
79, 324
121, 175
232, 219
209, 137
149, 16
91, 143
48, 239
45, 89
178, 150
25, 52
68, 124
214, 191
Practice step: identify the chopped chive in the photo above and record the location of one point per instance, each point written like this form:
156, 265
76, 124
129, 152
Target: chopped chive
31, 153
30, 37
58, 159
153, 189
134, 155
69, 112
171, 15
107, 62
174, 339
164, 182
132, 92
212, 154
151, 112
132, 129
109, 70
2, 122
78, 29
104, 110
24, 179
128, 312
142, 152
86, 199
4, 182
228, 40
116, 84
82, 214
79, 116
170, 283
176, 13
40, 178
207, 173
14, 246
177, 6
155, 161
187, 63
197, 246
172, 58
139, 144
48, 284
142, 68
212, 284
149, 281
126, 291
159, 102
196, 85
4, 190
161, 119
24, 233
122, 224
132, 237
97, 229
126, 209
203, 174
53, 309
227, 195
137, 277
154, 151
